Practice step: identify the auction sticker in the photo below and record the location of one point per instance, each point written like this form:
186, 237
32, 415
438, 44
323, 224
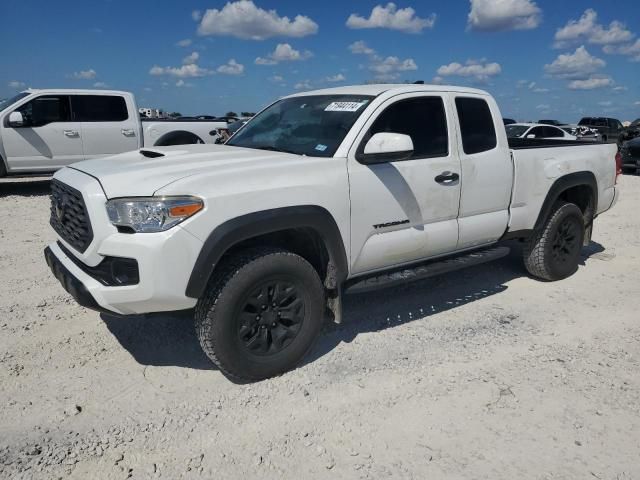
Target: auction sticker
344, 106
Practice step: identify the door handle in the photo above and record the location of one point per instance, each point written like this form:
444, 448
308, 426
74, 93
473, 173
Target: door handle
128, 132
447, 177
71, 133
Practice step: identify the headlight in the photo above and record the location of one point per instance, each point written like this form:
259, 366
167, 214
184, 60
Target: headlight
152, 214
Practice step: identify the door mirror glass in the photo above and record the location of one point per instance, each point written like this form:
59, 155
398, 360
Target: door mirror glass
387, 146
16, 120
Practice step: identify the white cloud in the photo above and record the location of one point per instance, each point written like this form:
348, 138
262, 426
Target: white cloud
191, 58
533, 86
243, 19
632, 50
586, 28
438, 80
231, 68
196, 15
473, 68
404, 19
283, 53
543, 106
276, 78
591, 83
184, 43
185, 71
606, 103
576, 65
182, 83
100, 85
620, 88
500, 15
637, 103
304, 85
361, 48
385, 68
392, 64
336, 78
17, 85
84, 74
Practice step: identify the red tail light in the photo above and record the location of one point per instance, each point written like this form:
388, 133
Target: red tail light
618, 165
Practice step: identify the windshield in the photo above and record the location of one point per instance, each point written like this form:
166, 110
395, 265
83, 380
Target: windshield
635, 123
514, 131
308, 125
10, 101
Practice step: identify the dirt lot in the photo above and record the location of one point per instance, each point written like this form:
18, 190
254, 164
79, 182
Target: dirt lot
484, 373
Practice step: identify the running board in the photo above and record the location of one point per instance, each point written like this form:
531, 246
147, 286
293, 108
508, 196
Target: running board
426, 270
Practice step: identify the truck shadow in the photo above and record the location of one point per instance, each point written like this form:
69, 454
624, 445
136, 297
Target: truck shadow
160, 339
388, 308
169, 339
25, 188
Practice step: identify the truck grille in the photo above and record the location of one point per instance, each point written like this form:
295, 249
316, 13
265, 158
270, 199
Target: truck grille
69, 217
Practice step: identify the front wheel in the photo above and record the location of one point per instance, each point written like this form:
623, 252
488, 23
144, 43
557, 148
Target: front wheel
261, 313
553, 252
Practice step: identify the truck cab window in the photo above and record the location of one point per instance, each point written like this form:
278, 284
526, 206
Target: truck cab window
46, 109
99, 108
476, 125
423, 119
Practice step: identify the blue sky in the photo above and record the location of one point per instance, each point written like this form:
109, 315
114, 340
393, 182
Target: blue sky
541, 59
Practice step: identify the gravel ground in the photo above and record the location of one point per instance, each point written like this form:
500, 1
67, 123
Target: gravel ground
483, 373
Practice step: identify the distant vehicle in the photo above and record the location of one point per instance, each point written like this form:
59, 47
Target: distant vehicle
44, 130
206, 117
508, 121
630, 152
631, 132
228, 119
152, 113
583, 133
609, 128
555, 123
534, 130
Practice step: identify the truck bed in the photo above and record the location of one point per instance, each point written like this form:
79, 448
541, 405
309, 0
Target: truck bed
539, 163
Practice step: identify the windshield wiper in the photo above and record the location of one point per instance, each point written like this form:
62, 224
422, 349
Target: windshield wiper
271, 148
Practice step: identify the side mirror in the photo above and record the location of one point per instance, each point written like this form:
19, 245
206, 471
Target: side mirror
16, 120
531, 135
387, 147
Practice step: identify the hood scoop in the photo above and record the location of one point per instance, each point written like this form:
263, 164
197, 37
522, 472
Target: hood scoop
151, 153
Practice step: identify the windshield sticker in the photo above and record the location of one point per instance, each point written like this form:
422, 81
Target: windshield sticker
344, 106
321, 148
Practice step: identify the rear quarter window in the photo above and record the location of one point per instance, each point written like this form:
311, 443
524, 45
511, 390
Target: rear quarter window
476, 125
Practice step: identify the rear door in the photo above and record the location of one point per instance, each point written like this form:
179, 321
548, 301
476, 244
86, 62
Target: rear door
399, 211
48, 140
107, 125
486, 171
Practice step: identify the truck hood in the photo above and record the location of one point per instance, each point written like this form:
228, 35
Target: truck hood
145, 171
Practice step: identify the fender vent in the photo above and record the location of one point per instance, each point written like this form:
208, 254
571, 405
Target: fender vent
151, 154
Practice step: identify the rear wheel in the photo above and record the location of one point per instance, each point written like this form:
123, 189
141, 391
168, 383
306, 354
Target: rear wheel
3, 168
261, 313
553, 252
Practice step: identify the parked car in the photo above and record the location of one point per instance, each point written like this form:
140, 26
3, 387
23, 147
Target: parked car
44, 130
508, 121
630, 152
609, 128
631, 132
534, 130
555, 123
322, 193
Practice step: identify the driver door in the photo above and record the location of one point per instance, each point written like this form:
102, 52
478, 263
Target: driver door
405, 210
48, 139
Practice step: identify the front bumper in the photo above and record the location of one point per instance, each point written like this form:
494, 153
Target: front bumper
165, 261
71, 284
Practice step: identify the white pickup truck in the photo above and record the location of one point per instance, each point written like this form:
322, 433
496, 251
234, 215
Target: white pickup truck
322, 193
44, 130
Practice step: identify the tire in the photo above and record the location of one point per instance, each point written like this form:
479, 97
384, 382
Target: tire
3, 168
553, 252
237, 319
